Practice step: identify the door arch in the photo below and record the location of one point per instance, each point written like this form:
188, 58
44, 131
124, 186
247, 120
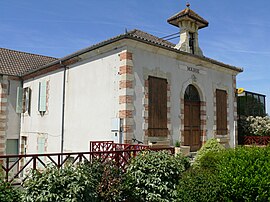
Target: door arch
192, 118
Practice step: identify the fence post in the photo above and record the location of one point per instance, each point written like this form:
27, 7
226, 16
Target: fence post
7, 169
34, 163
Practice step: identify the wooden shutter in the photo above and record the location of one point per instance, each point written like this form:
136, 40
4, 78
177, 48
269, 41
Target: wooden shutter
157, 121
42, 96
221, 110
19, 101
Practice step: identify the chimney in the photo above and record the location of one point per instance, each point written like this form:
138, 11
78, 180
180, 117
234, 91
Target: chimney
189, 23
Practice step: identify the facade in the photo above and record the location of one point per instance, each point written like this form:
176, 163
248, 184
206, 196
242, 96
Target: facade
134, 86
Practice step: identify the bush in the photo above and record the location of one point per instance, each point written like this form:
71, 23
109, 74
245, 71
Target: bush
72, 183
7, 192
109, 188
153, 176
199, 185
207, 155
258, 126
244, 174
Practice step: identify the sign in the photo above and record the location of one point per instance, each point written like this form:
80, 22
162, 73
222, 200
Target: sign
192, 69
240, 90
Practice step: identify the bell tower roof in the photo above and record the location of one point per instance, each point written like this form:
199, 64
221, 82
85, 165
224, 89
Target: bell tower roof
187, 15
189, 23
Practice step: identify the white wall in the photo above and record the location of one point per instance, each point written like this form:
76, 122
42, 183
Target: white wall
91, 102
48, 125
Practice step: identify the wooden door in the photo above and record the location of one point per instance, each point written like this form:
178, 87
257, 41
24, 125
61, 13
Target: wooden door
192, 122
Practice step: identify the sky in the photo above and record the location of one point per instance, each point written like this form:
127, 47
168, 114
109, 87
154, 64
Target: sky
238, 31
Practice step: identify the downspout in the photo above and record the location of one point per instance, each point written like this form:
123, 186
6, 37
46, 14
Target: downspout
63, 109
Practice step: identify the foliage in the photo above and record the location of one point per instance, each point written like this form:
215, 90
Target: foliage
71, 183
199, 185
244, 174
109, 188
7, 192
208, 153
153, 176
177, 144
257, 126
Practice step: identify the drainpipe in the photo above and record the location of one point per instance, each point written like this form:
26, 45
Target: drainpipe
63, 109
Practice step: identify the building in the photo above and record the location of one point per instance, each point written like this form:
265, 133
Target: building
134, 86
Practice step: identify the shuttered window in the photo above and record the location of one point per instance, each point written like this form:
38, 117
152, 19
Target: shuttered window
42, 96
26, 100
157, 120
19, 101
23, 103
221, 110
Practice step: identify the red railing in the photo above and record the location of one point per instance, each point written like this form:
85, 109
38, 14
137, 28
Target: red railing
255, 140
120, 154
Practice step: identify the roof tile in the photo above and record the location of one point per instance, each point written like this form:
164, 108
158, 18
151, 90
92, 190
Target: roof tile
16, 63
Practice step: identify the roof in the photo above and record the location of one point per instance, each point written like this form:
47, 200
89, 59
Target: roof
187, 13
151, 38
144, 37
24, 64
16, 63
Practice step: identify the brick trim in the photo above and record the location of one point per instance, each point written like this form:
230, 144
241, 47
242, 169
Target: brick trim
125, 56
126, 97
3, 114
235, 115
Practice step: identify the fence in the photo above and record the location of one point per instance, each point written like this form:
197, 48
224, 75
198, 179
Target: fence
254, 140
120, 154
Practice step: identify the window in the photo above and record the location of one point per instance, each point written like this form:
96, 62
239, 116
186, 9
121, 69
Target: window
251, 104
192, 94
191, 42
12, 148
221, 110
23, 103
157, 107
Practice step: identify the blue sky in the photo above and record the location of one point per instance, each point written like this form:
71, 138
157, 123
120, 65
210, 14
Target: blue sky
238, 32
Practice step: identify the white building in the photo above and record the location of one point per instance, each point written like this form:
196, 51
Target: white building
157, 92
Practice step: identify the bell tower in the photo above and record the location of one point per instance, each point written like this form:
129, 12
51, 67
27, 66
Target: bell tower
189, 23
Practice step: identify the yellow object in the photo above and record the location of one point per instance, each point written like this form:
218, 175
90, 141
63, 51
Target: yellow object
240, 90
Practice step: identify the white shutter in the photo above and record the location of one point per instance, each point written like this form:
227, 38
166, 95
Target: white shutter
42, 96
19, 103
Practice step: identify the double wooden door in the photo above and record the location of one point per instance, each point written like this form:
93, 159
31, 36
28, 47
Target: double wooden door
192, 124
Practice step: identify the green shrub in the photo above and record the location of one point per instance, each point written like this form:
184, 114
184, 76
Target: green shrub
72, 183
153, 176
7, 192
244, 174
199, 185
109, 188
207, 154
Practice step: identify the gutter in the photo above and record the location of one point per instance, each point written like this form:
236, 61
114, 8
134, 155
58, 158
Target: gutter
63, 109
